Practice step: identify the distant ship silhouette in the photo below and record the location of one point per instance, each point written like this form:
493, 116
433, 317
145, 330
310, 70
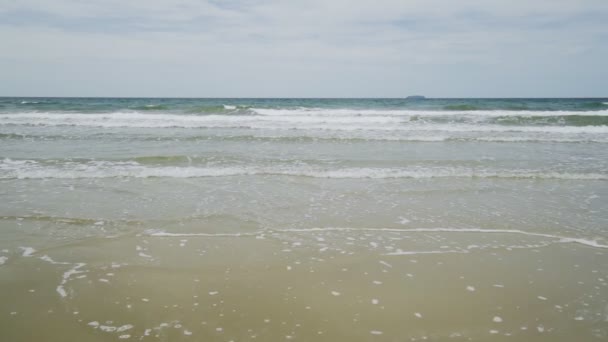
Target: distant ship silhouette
415, 97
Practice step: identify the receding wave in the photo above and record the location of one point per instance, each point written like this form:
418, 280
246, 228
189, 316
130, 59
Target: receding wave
560, 238
67, 220
31, 169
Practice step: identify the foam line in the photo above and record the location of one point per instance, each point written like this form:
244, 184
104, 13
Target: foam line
561, 239
400, 252
353, 122
157, 233
66, 277
32, 169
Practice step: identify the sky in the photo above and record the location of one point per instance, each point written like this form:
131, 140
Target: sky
304, 48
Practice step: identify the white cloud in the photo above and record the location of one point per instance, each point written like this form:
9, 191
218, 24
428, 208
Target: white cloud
302, 48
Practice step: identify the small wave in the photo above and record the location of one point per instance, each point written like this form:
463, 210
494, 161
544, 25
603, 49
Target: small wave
12, 136
594, 105
559, 238
31, 169
461, 107
449, 111
312, 136
29, 102
160, 233
161, 159
557, 120
64, 220
152, 107
293, 122
223, 109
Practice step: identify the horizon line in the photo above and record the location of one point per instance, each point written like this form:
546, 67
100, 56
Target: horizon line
307, 98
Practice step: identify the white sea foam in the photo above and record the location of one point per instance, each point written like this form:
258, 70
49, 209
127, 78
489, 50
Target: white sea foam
124, 328
157, 233
334, 122
27, 251
50, 260
561, 239
25, 169
107, 328
366, 135
402, 252
66, 277
558, 238
3, 260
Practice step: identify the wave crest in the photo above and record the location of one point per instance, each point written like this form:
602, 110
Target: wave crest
31, 169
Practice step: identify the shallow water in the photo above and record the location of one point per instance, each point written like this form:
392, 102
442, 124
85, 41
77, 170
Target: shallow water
322, 220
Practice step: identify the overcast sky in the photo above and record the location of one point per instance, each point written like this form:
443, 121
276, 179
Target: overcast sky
312, 48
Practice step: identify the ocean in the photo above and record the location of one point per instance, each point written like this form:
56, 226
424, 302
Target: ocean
155, 219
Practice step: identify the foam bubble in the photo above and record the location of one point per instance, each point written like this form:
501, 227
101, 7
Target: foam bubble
27, 251
124, 328
66, 277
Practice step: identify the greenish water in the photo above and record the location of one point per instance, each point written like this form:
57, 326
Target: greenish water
303, 219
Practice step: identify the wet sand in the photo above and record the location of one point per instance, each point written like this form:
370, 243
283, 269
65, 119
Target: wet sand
308, 284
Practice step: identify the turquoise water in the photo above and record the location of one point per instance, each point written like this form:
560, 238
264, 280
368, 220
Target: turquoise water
303, 219
187, 105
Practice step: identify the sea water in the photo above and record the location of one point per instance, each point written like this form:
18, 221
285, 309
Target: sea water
303, 219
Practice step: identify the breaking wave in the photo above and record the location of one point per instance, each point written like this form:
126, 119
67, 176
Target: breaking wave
31, 169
